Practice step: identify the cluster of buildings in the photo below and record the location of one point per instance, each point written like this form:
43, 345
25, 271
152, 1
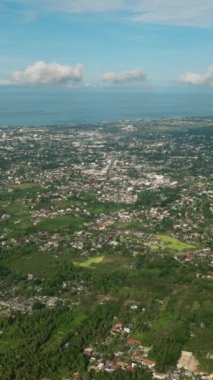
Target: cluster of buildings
123, 184
25, 305
135, 356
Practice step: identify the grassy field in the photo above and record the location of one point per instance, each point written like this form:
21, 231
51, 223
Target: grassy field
61, 222
105, 263
167, 242
93, 260
24, 186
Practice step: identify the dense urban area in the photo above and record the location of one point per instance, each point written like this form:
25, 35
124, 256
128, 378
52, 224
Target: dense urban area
106, 251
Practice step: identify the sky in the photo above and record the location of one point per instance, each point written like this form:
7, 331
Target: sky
143, 44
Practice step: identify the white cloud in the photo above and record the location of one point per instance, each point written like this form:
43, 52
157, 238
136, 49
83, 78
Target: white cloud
174, 12
5, 82
76, 6
46, 73
137, 75
198, 13
68, 6
195, 79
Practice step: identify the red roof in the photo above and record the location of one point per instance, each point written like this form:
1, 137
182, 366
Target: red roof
133, 342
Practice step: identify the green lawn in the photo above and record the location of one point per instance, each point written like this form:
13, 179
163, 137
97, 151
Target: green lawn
93, 260
170, 243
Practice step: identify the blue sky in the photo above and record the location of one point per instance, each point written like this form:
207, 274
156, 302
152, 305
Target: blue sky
147, 44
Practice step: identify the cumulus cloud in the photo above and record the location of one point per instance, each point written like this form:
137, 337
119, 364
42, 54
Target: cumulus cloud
137, 75
43, 73
195, 79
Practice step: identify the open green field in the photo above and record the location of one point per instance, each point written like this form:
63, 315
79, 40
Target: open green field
24, 186
170, 243
47, 264
61, 222
22, 189
105, 262
93, 260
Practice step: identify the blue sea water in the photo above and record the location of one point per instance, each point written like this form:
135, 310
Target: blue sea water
45, 107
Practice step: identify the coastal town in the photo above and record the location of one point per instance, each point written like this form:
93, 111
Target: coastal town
103, 216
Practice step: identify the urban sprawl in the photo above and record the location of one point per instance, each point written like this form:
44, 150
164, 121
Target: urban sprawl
108, 226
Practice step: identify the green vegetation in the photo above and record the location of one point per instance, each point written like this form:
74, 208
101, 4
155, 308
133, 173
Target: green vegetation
98, 228
25, 186
169, 243
60, 223
89, 263
158, 198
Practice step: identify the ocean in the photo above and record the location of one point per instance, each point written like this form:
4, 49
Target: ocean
35, 107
